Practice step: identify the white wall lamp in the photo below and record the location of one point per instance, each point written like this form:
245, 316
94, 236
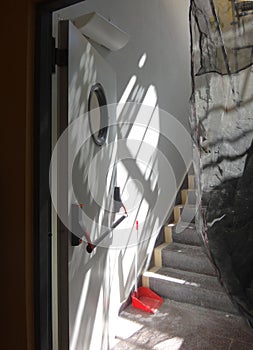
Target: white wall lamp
102, 31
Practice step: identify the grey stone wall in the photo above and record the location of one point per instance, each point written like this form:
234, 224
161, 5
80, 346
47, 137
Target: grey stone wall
222, 129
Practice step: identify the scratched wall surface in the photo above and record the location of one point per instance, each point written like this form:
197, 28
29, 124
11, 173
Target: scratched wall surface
222, 129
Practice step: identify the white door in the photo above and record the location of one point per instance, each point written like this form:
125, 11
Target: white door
87, 177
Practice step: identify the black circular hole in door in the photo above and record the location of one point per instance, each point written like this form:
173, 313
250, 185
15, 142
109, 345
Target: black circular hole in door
98, 114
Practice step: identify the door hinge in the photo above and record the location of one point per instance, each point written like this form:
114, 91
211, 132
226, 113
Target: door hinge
60, 57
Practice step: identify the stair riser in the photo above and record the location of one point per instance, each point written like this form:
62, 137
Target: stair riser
188, 197
191, 182
185, 214
184, 235
187, 236
188, 263
191, 197
188, 214
182, 270
192, 295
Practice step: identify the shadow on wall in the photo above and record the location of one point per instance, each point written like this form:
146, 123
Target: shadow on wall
102, 281
229, 220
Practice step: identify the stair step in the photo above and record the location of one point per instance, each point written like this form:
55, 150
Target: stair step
188, 258
188, 196
185, 213
189, 287
185, 233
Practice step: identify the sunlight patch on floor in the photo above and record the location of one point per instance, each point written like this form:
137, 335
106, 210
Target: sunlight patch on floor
172, 344
125, 329
170, 279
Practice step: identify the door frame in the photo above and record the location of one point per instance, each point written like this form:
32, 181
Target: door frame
44, 63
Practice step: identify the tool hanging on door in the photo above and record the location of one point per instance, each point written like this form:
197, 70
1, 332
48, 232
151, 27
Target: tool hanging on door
118, 204
77, 221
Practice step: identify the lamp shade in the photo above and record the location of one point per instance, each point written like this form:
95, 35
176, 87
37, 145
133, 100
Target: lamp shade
102, 31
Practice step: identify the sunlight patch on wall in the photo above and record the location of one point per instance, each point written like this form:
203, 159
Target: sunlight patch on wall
99, 324
126, 94
142, 137
142, 60
150, 98
79, 314
152, 136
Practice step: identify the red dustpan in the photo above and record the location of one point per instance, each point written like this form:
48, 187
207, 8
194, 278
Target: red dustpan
146, 300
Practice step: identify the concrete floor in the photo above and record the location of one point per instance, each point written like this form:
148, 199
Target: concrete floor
177, 326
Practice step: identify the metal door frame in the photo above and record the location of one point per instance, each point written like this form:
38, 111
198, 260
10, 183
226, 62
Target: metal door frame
44, 63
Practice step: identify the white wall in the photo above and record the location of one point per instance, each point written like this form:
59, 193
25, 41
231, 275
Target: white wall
158, 29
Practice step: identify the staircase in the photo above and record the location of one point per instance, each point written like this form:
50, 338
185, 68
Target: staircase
182, 271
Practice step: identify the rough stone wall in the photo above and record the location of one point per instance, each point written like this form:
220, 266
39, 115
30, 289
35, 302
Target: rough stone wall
222, 129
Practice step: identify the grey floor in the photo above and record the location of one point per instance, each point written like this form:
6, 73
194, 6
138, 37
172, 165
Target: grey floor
178, 326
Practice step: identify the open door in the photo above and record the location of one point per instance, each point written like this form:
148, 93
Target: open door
87, 84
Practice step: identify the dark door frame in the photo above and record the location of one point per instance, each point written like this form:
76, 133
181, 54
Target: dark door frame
44, 63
